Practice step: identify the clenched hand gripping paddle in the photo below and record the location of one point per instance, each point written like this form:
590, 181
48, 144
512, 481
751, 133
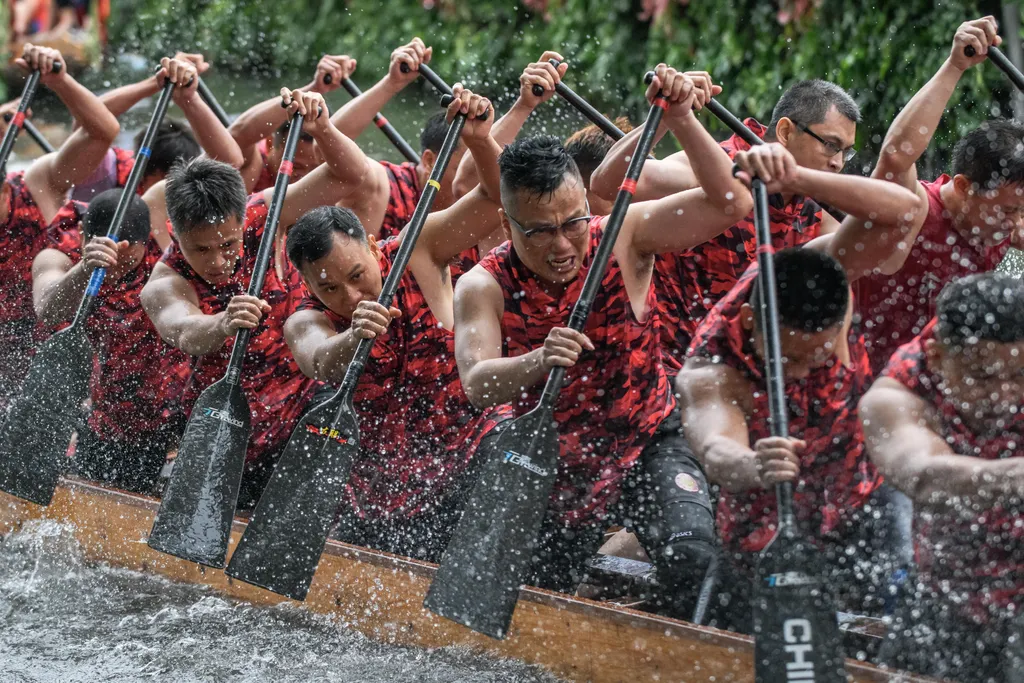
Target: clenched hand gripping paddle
18, 122
996, 56
34, 439
582, 106
378, 119
796, 633
478, 582
282, 545
194, 521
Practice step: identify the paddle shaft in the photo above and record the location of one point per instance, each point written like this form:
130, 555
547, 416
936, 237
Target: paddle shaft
996, 56
127, 194
412, 232
212, 103
266, 250
581, 310
582, 106
773, 344
19, 120
431, 77
33, 133
393, 135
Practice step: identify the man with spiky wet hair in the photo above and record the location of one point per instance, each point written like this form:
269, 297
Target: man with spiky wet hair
945, 425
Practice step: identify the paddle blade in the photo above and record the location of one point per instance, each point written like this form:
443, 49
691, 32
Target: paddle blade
194, 521
34, 437
478, 582
795, 627
281, 547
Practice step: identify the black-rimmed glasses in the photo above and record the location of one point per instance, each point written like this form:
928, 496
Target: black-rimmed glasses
830, 147
572, 229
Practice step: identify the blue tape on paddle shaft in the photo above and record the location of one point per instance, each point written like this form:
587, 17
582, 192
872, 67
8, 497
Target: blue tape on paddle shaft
145, 152
96, 281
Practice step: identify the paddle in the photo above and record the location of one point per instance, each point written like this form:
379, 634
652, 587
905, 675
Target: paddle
795, 628
33, 133
194, 521
18, 122
282, 544
478, 582
431, 78
996, 56
393, 135
34, 439
582, 106
212, 103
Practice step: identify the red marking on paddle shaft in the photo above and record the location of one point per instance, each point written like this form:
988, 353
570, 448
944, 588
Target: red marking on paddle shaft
286, 168
19, 119
660, 101
765, 249
381, 121
628, 185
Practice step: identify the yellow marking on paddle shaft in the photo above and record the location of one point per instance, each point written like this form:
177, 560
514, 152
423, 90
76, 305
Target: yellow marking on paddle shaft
435, 184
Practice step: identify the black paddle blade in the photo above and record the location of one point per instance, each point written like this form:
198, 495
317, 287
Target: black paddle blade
478, 582
194, 521
281, 547
796, 633
34, 437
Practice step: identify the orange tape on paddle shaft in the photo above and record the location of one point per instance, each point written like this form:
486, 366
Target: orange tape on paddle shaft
381, 121
285, 168
18, 119
628, 185
660, 101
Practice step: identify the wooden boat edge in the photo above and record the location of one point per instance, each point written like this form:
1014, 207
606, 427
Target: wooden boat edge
381, 596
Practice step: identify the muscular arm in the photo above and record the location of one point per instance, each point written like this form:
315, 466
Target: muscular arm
119, 100
171, 303
504, 133
156, 200
321, 352
917, 461
712, 399
488, 378
210, 133
660, 177
57, 286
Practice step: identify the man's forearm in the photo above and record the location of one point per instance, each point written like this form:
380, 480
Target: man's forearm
354, 118
503, 132
503, 380
941, 480
211, 134
729, 464
333, 356
95, 119
260, 121
711, 165
607, 177
200, 335
484, 154
59, 302
875, 200
120, 100
346, 160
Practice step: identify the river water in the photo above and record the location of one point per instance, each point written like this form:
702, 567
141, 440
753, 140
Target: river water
62, 621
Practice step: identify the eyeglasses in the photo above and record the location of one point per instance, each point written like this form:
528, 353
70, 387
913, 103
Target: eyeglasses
830, 147
572, 228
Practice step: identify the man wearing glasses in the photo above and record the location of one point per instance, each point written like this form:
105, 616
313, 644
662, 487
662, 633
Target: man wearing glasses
973, 214
816, 122
618, 424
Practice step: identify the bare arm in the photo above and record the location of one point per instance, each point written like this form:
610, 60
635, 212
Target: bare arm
155, 199
119, 100
353, 118
171, 303
916, 460
321, 352
57, 286
660, 177
210, 133
712, 399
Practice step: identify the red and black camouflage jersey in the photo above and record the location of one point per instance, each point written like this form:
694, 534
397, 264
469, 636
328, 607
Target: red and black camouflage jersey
276, 389
836, 475
125, 162
896, 307
22, 237
971, 556
612, 400
139, 378
419, 431
268, 175
403, 197
691, 282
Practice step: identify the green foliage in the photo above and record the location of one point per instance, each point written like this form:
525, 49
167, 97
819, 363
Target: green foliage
881, 51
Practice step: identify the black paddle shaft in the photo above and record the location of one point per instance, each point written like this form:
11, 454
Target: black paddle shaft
266, 249
582, 106
431, 78
11, 134
996, 56
212, 103
378, 119
33, 133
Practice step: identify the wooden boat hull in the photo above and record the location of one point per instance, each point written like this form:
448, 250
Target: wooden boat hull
381, 595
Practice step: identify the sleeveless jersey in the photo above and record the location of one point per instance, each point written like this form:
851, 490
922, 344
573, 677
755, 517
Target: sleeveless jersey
277, 391
836, 474
268, 175
402, 199
612, 400
691, 282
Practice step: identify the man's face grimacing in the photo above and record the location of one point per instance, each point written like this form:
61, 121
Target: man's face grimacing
213, 250
348, 275
551, 232
821, 146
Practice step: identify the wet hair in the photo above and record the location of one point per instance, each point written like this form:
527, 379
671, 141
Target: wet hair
983, 306
537, 165
281, 134
312, 236
134, 229
172, 143
808, 102
203, 191
588, 147
991, 154
433, 134
812, 290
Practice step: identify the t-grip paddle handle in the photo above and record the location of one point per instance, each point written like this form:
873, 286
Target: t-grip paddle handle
725, 116
212, 103
266, 249
378, 119
996, 56
582, 106
599, 264
355, 368
430, 76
